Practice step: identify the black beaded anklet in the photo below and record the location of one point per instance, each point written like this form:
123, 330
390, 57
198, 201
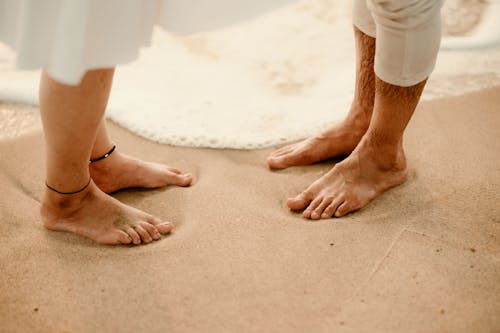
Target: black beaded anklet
74, 192
103, 156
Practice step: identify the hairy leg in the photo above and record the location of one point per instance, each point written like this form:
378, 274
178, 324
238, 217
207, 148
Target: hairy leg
377, 164
119, 171
341, 138
70, 117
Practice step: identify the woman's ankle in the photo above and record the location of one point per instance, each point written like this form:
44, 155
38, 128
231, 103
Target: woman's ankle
64, 204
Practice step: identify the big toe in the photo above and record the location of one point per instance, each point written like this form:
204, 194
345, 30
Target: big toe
164, 228
274, 162
299, 202
184, 179
124, 238
114, 237
280, 161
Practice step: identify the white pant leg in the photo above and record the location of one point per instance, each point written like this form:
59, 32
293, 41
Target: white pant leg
362, 18
408, 34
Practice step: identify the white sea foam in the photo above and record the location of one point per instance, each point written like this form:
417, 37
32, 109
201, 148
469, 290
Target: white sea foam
485, 35
272, 80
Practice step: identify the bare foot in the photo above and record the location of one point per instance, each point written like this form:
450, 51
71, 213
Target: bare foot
353, 183
339, 140
96, 215
120, 171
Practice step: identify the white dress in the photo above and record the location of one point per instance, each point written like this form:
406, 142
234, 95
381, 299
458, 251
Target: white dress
69, 37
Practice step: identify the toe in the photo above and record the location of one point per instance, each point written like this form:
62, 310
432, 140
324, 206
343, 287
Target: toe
152, 231
292, 158
312, 206
343, 209
123, 237
113, 237
331, 208
145, 237
163, 227
318, 211
300, 201
280, 159
174, 170
276, 162
282, 150
182, 179
136, 239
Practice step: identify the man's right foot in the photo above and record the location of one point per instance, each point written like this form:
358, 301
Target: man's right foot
370, 170
98, 216
338, 140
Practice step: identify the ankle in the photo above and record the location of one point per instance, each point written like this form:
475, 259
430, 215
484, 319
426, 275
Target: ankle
64, 204
105, 165
101, 161
359, 116
387, 155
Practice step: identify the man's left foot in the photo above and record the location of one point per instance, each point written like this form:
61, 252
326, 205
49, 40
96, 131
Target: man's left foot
338, 140
352, 184
120, 171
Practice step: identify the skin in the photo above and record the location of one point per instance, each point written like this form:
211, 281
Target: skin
372, 136
72, 118
119, 171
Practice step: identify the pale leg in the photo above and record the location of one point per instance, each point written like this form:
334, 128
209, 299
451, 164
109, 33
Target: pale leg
70, 117
119, 171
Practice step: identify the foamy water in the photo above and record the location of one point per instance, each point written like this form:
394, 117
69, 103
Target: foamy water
275, 79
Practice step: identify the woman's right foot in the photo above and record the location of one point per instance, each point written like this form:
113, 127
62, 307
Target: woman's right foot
98, 216
338, 140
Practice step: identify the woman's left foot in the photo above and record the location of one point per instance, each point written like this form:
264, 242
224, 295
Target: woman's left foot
120, 171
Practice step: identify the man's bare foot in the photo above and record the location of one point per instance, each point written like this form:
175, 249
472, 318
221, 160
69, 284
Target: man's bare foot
353, 183
339, 140
120, 171
96, 215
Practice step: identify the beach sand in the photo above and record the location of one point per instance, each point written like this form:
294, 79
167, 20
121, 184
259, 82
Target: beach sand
424, 257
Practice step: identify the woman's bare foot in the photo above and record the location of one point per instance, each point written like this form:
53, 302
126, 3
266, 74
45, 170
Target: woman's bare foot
120, 171
96, 215
339, 140
353, 183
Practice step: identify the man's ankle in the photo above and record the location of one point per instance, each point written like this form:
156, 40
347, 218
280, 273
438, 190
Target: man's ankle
360, 115
388, 153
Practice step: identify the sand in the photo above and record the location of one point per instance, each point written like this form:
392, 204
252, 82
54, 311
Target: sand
424, 257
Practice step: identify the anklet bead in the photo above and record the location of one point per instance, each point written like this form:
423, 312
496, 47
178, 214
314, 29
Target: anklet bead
93, 160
